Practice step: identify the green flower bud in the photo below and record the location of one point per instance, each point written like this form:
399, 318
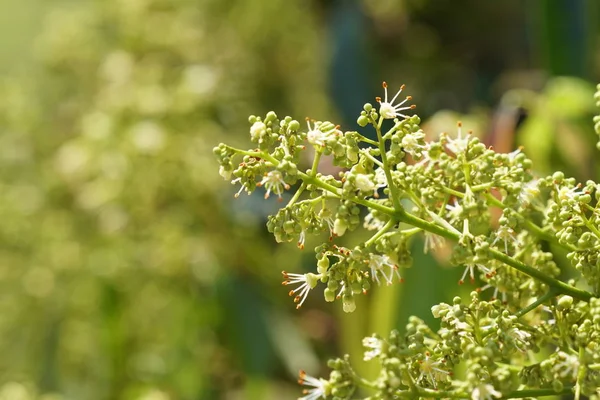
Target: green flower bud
362, 121
557, 386
333, 285
558, 177
348, 303
329, 295
271, 116
565, 302
294, 125
339, 227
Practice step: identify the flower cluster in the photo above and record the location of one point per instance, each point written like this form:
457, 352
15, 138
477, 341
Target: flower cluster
453, 190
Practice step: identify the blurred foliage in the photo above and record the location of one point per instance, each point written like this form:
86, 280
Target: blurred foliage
127, 272
123, 273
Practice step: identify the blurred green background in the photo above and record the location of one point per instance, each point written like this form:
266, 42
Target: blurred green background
127, 269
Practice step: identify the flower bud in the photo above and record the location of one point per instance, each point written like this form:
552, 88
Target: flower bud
329, 295
362, 121
564, 303
271, 116
339, 227
323, 264
294, 125
258, 130
557, 386
348, 303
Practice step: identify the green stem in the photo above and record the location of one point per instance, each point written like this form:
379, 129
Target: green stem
510, 367
548, 295
594, 367
519, 394
380, 233
482, 186
532, 227
415, 221
296, 195
360, 381
315, 165
400, 215
560, 286
467, 171
411, 231
387, 168
367, 140
580, 373
370, 157
590, 226
453, 192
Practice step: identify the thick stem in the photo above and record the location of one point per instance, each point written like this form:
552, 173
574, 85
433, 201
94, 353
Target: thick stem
559, 285
315, 165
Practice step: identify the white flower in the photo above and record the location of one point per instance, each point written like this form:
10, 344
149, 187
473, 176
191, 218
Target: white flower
375, 345
430, 369
497, 289
505, 233
459, 144
566, 194
437, 309
432, 242
242, 188
378, 264
320, 387
273, 181
411, 143
529, 192
513, 154
567, 367
455, 211
372, 223
258, 130
520, 338
319, 138
380, 178
364, 183
388, 110
485, 391
551, 321
225, 173
307, 283
470, 268
441, 221
302, 239
426, 156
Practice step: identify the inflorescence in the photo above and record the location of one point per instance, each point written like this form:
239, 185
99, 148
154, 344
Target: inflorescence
537, 336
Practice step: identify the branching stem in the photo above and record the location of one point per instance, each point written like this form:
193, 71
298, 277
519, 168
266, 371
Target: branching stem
398, 214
